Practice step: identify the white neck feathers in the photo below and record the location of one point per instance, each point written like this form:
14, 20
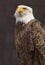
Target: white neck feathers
25, 19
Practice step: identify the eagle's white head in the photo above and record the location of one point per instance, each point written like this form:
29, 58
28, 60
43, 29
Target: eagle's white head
23, 14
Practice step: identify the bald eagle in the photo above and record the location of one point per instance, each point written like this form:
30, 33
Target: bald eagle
29, 37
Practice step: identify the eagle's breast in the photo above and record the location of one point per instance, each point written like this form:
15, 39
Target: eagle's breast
19, 27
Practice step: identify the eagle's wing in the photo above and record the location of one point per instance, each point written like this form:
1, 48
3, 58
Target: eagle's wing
38, 39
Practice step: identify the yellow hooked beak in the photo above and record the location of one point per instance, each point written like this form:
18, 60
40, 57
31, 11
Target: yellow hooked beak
20, 10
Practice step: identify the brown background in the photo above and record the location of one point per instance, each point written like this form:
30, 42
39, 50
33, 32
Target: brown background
8, 55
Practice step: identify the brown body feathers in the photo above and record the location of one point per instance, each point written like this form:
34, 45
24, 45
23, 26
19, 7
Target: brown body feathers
30, 43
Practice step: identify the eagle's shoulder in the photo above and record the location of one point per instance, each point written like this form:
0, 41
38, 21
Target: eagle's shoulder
34, 24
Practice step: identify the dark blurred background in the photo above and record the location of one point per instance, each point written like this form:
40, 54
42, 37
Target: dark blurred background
8, 55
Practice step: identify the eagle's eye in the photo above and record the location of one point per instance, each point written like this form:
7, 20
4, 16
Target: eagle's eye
24, 8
